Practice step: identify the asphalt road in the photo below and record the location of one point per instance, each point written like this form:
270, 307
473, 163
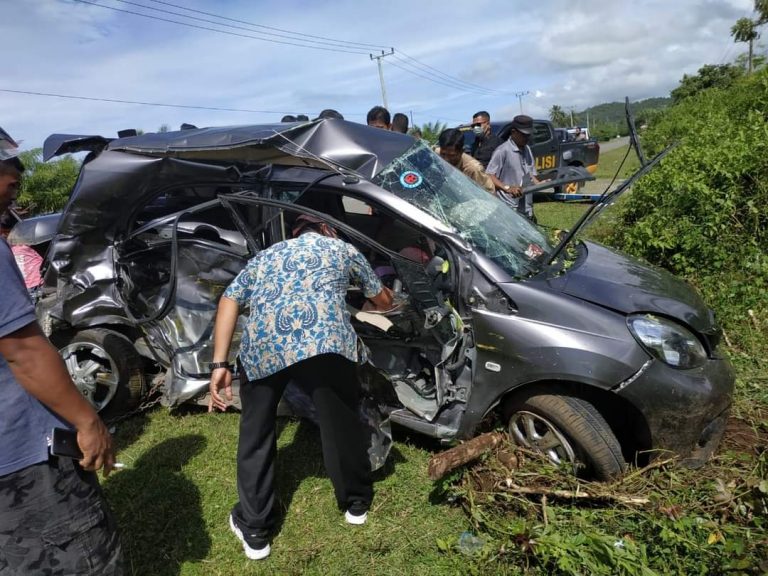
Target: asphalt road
613, 144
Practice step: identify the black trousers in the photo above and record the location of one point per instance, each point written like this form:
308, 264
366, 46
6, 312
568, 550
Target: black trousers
54, 520
331, 381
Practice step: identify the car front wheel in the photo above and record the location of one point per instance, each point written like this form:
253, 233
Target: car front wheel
567, 430
107, 370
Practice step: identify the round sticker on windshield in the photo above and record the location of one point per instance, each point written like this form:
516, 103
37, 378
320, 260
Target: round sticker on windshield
411, 179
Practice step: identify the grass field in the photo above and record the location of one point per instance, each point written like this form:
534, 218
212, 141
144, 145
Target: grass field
609, 162
173, 499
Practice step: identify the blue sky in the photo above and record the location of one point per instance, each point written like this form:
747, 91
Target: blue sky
574, 53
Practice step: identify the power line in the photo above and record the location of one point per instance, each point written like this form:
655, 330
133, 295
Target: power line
402, 65
183, 106
361, 44
171, 12
411, 65
302, 35
116, 101
217, 30
448, 76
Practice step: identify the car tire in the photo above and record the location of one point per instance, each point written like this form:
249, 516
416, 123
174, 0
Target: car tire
106, 369
568, 430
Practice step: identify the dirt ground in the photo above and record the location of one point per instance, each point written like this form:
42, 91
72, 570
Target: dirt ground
744, 436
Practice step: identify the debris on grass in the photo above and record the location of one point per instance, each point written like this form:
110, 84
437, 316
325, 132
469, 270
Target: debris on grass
662, 518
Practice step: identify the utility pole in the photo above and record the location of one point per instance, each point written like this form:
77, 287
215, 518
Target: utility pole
381, 73
520, 98
571, 116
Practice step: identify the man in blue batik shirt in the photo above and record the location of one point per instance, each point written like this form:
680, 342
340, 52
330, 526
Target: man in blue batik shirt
53, 519
298, 329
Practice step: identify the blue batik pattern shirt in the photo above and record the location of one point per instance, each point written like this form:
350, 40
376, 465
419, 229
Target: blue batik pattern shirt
296, 292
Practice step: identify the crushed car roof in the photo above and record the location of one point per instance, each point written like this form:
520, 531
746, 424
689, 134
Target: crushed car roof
328, 143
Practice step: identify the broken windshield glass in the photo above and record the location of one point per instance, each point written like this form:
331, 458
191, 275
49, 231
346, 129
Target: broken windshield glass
493, 227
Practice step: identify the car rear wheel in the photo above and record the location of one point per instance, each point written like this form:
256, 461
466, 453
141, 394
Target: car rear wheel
568, 431
107, 370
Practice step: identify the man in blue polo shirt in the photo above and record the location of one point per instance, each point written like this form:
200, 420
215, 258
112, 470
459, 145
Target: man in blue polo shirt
52, 516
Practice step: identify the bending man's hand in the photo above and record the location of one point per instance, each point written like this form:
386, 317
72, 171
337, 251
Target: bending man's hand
221, 378
226, 318
383, 300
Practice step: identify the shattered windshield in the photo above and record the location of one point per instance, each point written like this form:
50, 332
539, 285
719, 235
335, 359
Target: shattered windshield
423, 179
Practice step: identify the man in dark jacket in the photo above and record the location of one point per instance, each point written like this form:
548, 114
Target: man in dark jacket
485, 140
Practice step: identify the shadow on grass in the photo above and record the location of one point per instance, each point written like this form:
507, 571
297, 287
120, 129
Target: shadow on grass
303, 458
158, 509
127, 431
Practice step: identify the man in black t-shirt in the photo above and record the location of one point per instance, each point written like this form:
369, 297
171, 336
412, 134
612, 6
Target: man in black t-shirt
485, 140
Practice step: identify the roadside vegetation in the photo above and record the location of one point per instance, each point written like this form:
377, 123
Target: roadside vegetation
700, 214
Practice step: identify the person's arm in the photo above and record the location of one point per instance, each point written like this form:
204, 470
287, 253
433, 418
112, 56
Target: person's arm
485, 181
511, 190
39, 369
494, 169
361, 274
382, 300
223, 329
475, 170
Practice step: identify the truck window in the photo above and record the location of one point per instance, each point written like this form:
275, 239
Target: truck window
541, 133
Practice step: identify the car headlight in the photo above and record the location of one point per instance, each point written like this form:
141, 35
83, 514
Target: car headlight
668, 341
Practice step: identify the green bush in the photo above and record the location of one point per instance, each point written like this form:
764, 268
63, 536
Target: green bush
46, 185
702, 213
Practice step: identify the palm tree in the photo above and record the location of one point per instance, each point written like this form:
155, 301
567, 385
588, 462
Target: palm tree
430, 131
745, 30
558, 116
761, 7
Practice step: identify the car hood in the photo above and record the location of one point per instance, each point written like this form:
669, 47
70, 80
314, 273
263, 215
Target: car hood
614, 280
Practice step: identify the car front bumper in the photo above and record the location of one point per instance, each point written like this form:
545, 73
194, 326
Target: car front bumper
685, 411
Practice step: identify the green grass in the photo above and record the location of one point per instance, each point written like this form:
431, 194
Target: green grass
173, 499
560, 215
564, 215
609, 162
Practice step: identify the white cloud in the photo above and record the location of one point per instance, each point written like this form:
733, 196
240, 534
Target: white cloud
563, 52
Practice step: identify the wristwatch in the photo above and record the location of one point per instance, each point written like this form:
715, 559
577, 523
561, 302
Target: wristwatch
507, 187
214, 365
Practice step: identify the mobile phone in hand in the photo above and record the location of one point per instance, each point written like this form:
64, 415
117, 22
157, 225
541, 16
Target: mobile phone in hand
64, 443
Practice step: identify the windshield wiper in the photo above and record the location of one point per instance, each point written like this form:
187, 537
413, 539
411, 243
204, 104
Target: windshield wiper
604, 201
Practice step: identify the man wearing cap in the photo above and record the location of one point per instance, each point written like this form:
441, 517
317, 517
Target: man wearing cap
299, 330
53, 518
512, 166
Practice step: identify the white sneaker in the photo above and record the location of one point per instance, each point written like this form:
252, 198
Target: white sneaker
251, 553
356, 519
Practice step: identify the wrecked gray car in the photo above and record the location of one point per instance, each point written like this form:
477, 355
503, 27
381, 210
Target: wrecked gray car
584, 353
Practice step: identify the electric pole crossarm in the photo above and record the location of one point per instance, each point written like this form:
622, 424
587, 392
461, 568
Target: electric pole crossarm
381, 73
520, 98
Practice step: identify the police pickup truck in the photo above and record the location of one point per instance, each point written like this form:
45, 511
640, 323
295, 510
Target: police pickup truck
551, 151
